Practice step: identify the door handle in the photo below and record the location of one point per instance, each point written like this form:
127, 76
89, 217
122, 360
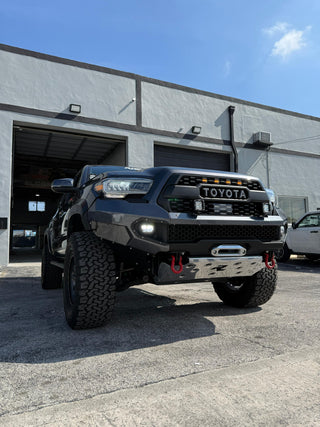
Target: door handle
314, 231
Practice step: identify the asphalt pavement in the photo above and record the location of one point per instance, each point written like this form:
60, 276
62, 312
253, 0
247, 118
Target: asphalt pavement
172, 356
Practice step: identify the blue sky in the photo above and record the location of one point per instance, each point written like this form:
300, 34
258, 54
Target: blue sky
262, 51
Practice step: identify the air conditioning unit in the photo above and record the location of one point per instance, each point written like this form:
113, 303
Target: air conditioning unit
262, 138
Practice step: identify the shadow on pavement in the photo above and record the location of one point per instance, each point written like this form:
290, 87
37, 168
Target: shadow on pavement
33, 328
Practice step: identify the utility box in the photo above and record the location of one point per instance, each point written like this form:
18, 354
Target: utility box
262, 138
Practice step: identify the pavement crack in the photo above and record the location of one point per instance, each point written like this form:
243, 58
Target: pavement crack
259, 343
93, 396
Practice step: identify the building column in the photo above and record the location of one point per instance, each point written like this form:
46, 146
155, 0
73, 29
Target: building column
5, 185
140, 150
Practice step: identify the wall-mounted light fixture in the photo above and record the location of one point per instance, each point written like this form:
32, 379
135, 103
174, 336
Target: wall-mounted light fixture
75, 108
196, 130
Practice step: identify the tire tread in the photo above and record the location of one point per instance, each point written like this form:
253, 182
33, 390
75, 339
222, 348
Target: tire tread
256, 290
95, 271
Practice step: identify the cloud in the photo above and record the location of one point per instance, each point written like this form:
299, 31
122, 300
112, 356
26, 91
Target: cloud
291, 41
279, 27
227, 68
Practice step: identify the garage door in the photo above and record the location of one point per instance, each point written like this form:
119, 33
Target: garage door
184, 157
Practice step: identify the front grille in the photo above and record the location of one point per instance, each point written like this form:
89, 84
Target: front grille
194, 180
211, 208
193, 233
181, 205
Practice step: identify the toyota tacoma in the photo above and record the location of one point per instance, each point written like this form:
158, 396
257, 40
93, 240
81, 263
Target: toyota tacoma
117, 227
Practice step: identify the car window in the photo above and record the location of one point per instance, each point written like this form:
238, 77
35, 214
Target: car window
312, 220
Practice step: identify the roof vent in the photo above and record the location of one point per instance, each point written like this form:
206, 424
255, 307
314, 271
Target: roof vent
262, 138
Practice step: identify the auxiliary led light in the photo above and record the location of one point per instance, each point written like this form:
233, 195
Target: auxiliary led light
147, 228
198, 205
266, 208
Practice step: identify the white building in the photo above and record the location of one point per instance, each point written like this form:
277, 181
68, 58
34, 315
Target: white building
126, 119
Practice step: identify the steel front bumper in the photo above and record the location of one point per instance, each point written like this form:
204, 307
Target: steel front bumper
121, 226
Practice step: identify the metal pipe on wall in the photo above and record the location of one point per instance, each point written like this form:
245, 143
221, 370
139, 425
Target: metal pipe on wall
234, 149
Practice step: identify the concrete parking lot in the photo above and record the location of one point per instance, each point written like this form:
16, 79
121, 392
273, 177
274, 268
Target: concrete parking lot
173, 355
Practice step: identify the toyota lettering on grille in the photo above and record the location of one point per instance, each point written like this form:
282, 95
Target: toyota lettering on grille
224, 193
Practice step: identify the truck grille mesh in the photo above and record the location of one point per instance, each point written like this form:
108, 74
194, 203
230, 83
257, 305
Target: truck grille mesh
193, 233
238, 208
181, 202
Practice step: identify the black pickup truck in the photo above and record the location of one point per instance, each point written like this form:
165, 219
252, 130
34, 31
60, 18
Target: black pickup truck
117, 227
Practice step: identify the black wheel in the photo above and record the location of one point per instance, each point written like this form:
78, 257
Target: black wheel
51, 275
89, 281
248, 291
283, 255
313, 257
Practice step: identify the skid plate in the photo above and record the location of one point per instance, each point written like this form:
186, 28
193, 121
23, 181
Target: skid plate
211, 268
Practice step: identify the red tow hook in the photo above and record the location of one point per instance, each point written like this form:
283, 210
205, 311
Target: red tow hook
272, 261
173, 263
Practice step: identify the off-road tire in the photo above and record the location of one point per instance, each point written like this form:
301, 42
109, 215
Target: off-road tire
248, 291
89, 281
283, 255
51, 275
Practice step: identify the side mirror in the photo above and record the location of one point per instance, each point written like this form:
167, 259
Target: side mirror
64, 185
294, 225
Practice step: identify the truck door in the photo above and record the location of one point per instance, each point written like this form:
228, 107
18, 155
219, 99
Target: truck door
306, 237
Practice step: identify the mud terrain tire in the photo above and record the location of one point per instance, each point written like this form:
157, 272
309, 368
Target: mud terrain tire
248, 291
89, 281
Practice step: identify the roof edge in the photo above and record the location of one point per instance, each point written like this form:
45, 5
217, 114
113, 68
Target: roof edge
92, 67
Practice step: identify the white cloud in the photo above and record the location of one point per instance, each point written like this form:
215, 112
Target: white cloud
289, 43
292, 40
279, 27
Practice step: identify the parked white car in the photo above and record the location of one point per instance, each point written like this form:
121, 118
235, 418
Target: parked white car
303, 238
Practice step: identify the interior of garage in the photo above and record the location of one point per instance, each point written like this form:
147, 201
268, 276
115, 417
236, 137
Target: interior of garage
40, 156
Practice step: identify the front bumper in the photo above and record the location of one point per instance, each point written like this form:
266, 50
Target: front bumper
121, 226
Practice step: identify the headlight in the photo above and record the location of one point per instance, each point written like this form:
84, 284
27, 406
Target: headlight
120, 187
272, 196
268, 207
283, 233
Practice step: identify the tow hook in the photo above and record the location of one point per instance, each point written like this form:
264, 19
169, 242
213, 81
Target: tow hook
173, 264
270, 263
